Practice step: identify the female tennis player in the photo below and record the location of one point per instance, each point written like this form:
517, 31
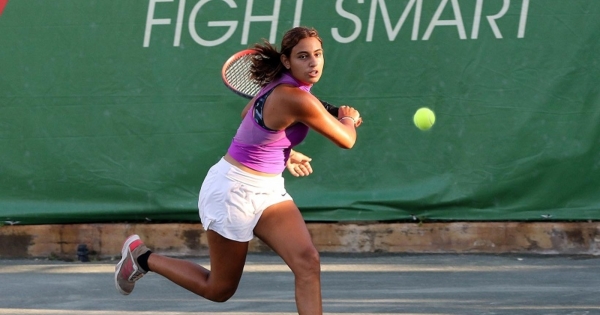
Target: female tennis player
243, 195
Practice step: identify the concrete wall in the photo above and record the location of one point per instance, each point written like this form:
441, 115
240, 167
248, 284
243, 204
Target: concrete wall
105, 240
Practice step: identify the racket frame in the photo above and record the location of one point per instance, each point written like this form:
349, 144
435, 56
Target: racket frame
227, 79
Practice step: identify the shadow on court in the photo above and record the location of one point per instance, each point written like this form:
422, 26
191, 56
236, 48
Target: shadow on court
352, 284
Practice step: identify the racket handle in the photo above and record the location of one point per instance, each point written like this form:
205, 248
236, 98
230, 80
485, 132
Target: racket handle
333, 110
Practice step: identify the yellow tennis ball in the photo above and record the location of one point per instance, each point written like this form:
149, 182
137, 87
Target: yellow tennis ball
424, 118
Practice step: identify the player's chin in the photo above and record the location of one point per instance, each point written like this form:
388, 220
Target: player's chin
312, 78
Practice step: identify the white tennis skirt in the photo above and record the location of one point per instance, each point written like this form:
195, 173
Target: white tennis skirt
231, 201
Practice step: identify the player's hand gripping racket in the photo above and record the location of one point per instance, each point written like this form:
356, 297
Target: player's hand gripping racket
236, 76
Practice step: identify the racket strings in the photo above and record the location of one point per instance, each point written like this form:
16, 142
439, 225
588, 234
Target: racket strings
237, 75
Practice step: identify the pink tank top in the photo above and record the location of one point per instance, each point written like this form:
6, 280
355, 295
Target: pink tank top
262, 149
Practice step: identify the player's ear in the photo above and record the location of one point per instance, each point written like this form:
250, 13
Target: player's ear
285, 61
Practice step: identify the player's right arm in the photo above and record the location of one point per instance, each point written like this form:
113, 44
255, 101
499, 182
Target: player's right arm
247, 107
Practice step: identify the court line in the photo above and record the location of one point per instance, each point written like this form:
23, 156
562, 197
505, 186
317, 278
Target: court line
16, 311
106, 268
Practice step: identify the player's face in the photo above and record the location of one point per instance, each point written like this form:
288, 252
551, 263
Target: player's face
306, 60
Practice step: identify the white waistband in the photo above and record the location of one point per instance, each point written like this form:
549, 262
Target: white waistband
237, 174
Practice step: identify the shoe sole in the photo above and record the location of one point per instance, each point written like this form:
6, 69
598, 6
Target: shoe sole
124, 252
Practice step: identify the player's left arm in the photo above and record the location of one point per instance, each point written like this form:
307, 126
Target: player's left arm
305, 108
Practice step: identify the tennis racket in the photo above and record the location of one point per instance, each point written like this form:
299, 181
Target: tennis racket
236, 76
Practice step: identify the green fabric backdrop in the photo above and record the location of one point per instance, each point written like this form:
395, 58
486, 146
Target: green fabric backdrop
114, 110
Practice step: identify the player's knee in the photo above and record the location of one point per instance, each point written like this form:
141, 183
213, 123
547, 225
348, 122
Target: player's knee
222, 294
308, 263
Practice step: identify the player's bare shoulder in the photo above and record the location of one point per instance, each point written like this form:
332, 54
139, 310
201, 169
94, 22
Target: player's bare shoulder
296, 101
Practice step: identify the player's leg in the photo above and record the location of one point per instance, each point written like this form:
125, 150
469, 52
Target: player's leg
227, 259
282, 227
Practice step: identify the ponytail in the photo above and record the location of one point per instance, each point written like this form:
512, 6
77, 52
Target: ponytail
266, 66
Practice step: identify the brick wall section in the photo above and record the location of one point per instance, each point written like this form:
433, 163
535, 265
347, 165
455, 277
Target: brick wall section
187, 239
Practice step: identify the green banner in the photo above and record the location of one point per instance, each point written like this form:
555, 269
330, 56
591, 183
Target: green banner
115, 110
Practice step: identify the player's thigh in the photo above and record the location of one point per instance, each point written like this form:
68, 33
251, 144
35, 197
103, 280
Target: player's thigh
227, 260
282, 228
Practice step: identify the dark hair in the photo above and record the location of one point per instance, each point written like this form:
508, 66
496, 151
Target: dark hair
267, 66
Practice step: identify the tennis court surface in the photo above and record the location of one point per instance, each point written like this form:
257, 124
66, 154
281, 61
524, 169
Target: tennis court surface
352, 284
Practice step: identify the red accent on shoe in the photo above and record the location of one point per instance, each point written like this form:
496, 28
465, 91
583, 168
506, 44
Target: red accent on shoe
135, 244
